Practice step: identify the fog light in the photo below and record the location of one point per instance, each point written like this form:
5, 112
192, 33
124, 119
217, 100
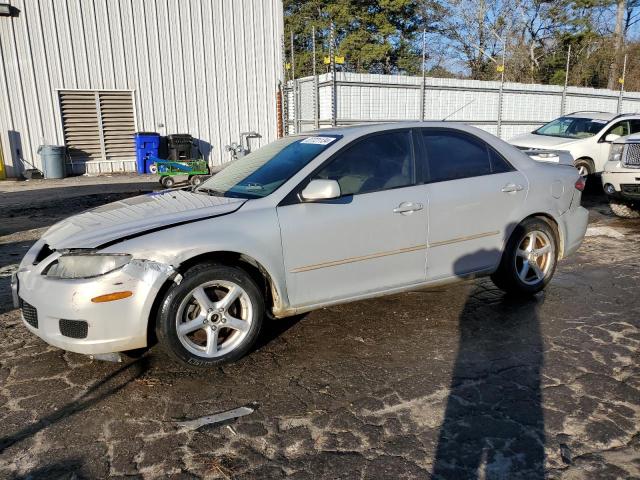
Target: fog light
610, 189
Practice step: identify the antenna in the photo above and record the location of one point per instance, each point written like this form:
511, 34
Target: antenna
464, 106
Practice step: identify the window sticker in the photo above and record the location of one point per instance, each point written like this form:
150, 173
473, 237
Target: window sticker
318, 140
599, 121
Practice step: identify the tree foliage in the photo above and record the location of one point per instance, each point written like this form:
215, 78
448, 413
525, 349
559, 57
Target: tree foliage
469, 38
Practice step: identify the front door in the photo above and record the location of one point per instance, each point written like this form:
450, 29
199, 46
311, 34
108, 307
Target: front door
372, 238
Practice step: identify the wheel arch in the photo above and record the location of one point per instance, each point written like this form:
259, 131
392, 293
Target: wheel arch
555, 226
257, 272
589, 159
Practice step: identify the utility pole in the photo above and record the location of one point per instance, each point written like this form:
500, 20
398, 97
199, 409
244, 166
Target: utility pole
294, 86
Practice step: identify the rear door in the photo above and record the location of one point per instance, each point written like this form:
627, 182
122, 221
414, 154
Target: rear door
370, 239
475, 198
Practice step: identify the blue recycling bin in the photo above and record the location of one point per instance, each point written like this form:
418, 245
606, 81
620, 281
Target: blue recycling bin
147, 145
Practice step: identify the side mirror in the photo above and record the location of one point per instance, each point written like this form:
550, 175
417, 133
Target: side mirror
321, 190
611, 137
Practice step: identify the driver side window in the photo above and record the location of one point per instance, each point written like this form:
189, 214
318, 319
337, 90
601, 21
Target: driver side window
379, 162
621, 129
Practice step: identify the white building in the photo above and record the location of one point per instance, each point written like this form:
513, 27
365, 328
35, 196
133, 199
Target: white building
89, 73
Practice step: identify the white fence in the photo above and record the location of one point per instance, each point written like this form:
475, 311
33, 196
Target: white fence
516, 108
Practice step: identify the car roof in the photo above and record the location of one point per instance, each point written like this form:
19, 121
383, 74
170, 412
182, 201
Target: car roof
353, 131
633, 138
592, 114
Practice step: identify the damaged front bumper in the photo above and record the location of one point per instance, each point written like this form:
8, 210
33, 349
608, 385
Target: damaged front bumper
65, 314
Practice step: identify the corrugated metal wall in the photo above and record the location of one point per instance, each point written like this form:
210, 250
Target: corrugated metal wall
379, 98
205, 67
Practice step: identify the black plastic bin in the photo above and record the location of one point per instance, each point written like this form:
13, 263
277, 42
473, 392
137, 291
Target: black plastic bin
181, 146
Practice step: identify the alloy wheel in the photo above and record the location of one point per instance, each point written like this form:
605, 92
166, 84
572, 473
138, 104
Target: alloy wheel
534, 257
214, 318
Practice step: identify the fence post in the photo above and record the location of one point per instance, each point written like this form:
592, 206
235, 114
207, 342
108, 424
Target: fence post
500, 95
295, 88
563, 103
621, 80
284, 90
422, 88
316, 93
332, 60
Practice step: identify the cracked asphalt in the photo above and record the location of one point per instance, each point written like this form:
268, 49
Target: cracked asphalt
457, 382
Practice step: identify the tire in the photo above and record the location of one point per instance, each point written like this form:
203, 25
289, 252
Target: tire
515, 274
167, 182
585, 166
194, 345
624, 210
196, 180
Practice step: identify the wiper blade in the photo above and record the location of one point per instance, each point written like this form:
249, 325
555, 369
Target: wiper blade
210, 191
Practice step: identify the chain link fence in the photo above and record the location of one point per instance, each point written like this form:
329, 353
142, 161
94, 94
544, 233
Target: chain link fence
504, 105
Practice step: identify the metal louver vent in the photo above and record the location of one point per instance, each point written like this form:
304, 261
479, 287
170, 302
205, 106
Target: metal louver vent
98, 124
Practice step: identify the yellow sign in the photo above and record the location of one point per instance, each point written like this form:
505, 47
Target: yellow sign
287, 66
326, 60
500, 68
340, 60
621, 81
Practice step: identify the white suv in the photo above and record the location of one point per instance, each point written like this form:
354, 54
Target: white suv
621, 177
587, 136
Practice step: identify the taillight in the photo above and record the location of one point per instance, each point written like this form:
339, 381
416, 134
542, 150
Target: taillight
580, 184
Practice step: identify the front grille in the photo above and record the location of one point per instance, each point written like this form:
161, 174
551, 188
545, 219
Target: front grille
29, 313
632, 155
74, 328
633, 190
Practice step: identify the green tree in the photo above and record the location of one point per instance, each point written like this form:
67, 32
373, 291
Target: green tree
374, 36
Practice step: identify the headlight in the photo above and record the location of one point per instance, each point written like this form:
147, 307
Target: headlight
546, 155
74, 265
615, 154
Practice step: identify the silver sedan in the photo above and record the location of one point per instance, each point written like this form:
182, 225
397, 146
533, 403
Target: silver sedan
308, 221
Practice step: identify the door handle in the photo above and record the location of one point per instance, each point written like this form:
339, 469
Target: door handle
408, 207
512, 188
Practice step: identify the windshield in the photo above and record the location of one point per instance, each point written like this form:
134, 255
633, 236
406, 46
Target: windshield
572, 127
260, 173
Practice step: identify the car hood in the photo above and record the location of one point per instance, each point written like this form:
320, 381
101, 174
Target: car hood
541, 141
135, 216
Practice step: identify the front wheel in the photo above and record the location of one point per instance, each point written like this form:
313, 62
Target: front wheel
529, 260
212, 317
167, 182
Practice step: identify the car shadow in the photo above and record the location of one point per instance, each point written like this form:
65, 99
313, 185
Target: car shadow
98, 392
493, 423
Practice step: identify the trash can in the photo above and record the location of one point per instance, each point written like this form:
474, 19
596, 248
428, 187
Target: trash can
181, 146
147, 144
53, 158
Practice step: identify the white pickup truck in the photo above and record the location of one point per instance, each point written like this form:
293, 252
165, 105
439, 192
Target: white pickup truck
621, 177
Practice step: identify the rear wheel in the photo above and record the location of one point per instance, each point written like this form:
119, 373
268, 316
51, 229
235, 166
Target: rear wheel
213, 317
196, 180
624, 210
529, 260
585, 167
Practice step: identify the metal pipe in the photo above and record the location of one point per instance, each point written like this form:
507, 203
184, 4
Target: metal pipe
501, 92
